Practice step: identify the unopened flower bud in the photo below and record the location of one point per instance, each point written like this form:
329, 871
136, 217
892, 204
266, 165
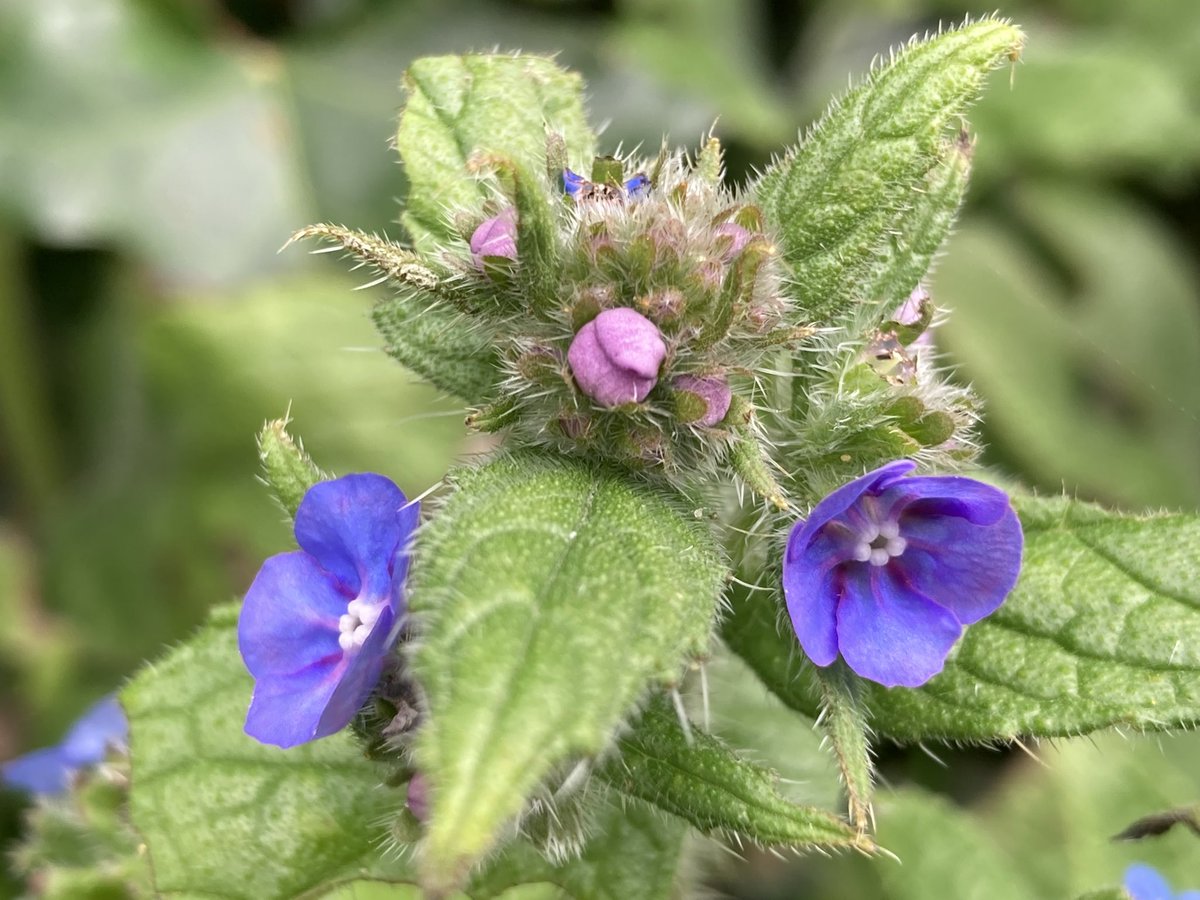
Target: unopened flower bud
418, 797
738, 238
712, 390
496, 236
615, 357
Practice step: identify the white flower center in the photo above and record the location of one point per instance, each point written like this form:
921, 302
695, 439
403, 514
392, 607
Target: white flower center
878, 543
356, 624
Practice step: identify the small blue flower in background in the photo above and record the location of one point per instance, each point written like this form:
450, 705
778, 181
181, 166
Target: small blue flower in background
48, 771
579, 188
887, 570
318, 624
1143, 882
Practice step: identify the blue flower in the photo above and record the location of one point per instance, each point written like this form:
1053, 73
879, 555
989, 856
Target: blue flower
318, 623
48, 771
579, 188
1143, 882
887, 570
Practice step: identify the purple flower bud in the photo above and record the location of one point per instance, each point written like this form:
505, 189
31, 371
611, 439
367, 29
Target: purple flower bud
738, 237
911, 312
496, 236
418, 797
713, 390
887, 570
615, 357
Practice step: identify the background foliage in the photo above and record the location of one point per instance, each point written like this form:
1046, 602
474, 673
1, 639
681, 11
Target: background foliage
154, 154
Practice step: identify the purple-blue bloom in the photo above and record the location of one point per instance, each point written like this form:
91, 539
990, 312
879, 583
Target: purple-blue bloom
318, 623
580, 188
1143, 882
888, 569
49, 770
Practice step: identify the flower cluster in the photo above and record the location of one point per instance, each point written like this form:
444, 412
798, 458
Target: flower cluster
99, 731
887, 570
318, 624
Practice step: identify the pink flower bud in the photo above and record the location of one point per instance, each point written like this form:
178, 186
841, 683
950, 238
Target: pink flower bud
738, 236
713, 390
615, 357
418, 797
496, 236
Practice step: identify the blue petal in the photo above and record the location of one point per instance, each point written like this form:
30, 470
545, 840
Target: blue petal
811, 586
1188, 895
948, 495
638, 185
286, 710
572, 182
350, 526
841, 500
45, 771
289, 619
968, 569
888, 632
407, 520
359, 678
98, 729
1143, 882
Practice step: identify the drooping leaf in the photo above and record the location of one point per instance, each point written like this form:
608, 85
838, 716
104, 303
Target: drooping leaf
1102, 630
223, 815
547, 596
835, 198
462, 105
700, 779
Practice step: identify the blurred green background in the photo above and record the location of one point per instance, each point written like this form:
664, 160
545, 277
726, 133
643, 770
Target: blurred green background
155, 154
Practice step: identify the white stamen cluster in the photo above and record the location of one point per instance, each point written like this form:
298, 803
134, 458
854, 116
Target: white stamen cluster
356, 624
878, 543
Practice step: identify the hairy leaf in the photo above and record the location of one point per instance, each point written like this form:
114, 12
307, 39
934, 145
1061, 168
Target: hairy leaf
547, 595
439, 344
462, 105
835, 199
698, 778
1102, 630
223, 815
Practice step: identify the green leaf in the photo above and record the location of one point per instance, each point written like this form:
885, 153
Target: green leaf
223, 815
441, 345
462, 105
1102, 630
698, 778
835, 198
547, 596
920, 232
1082, 333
